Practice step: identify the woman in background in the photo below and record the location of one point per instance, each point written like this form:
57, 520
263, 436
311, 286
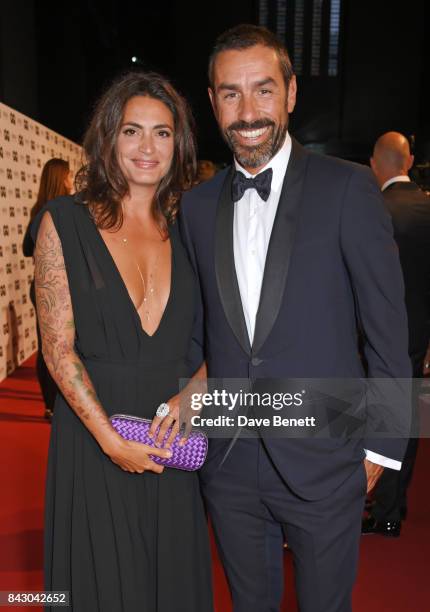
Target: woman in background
116, 300
56, 180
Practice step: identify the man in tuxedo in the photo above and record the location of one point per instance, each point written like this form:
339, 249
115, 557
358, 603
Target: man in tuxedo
293, 251
409, 207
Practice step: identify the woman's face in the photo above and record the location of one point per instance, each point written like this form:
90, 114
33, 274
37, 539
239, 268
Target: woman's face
68, 182
145, 143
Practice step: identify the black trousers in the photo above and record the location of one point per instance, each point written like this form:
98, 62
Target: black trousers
252, 508
390, 494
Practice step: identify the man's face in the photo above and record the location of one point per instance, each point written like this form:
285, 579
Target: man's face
251, 103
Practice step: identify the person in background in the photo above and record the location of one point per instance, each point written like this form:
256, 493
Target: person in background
56, 180
206, 169
409, 207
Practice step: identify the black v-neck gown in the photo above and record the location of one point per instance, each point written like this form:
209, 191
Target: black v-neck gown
122, 542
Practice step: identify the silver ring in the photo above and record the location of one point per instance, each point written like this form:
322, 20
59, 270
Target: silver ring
163, 410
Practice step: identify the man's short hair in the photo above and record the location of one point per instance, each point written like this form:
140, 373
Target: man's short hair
245, 36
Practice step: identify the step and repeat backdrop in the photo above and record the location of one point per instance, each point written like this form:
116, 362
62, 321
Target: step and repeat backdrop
25, 146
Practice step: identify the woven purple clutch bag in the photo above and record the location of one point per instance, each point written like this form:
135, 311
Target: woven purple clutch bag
189, 457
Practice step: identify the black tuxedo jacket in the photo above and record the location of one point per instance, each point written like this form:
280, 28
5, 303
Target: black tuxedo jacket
409, 207
332, 266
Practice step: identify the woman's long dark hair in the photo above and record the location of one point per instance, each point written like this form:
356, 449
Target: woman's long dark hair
101, 181
52, 183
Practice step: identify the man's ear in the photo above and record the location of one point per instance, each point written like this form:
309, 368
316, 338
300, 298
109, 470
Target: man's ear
212, 99
410, 162
291, 94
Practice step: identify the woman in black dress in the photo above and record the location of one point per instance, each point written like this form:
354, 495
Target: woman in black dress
116, 302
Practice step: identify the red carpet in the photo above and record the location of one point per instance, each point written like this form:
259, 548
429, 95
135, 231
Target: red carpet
393, 575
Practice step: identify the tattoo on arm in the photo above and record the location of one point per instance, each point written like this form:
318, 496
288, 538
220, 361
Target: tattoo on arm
57, 327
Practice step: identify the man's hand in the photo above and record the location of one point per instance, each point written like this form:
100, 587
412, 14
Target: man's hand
373, 472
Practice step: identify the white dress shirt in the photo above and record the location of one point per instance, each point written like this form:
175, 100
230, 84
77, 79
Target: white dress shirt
252, 228
402, 178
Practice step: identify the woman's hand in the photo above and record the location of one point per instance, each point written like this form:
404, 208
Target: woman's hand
180, 411
165, 423
134, 457
179, 419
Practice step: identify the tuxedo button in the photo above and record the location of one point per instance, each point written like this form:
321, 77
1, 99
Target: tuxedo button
255, 361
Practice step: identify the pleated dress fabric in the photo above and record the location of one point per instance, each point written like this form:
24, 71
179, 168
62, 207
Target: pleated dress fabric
122, 542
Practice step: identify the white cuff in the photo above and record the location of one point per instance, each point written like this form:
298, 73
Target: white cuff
381, 460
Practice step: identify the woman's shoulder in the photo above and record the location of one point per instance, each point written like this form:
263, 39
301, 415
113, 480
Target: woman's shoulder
62, 205
61, 209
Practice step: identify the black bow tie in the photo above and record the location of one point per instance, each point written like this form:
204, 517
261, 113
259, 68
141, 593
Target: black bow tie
261, 183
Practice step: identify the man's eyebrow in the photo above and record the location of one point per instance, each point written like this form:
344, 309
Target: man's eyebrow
235, 87
267, 81
230, 86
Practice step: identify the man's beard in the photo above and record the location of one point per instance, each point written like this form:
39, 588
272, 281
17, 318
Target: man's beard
257, 155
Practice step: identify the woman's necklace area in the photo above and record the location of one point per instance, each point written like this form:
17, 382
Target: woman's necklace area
148, 289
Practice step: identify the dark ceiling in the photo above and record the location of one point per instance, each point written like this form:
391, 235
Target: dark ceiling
56, 58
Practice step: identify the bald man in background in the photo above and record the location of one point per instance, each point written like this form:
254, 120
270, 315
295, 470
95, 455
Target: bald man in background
409, 207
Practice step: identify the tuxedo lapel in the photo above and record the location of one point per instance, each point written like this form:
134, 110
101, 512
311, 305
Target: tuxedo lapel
280, 246
225, 270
